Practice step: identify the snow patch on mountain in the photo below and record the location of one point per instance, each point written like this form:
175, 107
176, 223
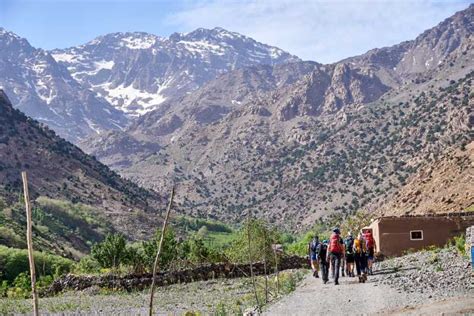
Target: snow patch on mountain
65, 57
202, 47
131, 100
104, 64
138, 42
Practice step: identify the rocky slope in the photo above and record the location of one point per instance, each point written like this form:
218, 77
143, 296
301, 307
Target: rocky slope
443, 186
45, 90
136, 72
429, 51
186, 115
57, 170
430, 274
342, 137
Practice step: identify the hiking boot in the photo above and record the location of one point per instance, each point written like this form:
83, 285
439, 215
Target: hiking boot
336, 283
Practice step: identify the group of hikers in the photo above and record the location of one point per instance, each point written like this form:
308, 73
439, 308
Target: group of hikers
340, 254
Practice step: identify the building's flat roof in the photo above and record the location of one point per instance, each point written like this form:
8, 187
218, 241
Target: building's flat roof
438, 215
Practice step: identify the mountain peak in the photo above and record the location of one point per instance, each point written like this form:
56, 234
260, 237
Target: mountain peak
155, 69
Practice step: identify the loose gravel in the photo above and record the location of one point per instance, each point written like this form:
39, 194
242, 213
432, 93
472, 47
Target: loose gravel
429, 274
426, 282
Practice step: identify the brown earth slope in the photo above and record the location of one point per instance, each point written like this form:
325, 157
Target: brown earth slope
444, 186
59, 171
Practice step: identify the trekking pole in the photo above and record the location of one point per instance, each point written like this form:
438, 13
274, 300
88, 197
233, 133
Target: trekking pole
29, 240
157, 258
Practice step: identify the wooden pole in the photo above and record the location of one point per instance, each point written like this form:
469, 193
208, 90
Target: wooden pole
160, 245
29, 240
265, 264
276, 268
251, 262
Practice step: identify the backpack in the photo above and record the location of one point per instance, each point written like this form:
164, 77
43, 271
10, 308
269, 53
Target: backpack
369, 239
313, 245
358, 245
349, 243
322, 251
335, 243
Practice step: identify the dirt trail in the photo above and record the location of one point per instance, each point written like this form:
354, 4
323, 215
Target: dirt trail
354, 298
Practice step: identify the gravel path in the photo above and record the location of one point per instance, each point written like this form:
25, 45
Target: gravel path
348, 298
354, 298
426, 282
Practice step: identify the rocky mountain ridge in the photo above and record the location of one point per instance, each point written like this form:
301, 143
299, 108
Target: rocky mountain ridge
45, 90
136, 72
96, 87
302, 89
339, 138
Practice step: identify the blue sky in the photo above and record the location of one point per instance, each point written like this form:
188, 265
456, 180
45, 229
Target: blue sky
324, 31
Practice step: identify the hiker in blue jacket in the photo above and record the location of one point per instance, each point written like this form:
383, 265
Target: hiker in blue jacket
313, 255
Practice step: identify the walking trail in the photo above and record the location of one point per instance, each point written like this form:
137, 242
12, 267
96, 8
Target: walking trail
313, 297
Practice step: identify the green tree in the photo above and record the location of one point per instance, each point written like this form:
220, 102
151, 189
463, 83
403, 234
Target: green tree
261, 239
169, 250
355, 222
111, 252
135, 258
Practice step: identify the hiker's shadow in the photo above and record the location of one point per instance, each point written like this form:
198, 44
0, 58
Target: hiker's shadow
392, 270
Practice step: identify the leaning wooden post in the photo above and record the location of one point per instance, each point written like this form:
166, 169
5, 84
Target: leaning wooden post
265, 263
276, 267
249, 237
160, 245
29, 240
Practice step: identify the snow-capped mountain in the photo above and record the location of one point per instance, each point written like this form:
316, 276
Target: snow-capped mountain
136, 72
45, 90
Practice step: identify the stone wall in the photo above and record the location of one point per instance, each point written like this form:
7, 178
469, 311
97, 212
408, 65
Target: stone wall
142, 281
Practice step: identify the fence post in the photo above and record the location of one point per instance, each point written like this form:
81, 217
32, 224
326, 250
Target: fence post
29, 240
249, 237
157, 258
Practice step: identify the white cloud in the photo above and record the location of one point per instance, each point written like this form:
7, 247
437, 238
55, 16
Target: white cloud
325, 31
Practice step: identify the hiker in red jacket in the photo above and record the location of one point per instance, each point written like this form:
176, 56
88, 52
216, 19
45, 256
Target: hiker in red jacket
370, 243
336, 251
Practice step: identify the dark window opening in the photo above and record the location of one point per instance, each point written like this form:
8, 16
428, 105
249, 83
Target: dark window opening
416, 235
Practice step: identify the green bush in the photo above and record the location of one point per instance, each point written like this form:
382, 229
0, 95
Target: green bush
136, 258
14, 261
111, 252
300, 246
87, 264
168, 252
460, 243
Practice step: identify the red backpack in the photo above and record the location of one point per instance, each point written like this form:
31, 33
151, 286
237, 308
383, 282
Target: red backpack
369, 240
335, 243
